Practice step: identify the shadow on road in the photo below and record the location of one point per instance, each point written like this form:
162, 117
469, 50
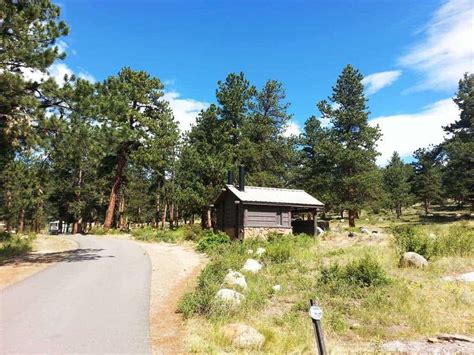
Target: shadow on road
65, 256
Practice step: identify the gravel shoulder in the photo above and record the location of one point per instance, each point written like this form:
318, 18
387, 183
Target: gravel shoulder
174, 270
47, 251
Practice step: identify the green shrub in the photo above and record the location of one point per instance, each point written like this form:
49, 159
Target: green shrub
211, 241
458, 240
365, 272
192, 232
278, 252
149, 234
14, 246
409, 238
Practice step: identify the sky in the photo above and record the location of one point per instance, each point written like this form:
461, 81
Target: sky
412, 54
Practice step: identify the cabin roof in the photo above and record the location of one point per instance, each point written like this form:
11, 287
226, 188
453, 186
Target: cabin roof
274, 196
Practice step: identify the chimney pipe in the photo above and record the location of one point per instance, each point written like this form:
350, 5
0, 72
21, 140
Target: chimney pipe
242, 178
230, 177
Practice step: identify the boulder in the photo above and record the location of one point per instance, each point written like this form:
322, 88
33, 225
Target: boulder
364, 230
252, 265
243, 336
413, 259
467, 277
276, 288
260, 251
235, 278
230, 296
319, 230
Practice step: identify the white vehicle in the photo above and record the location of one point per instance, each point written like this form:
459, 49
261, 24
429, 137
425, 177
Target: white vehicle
53, 227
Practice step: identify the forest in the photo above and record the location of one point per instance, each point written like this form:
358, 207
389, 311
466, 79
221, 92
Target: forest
110, 153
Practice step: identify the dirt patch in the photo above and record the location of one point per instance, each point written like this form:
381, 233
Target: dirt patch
175, 268
47, 250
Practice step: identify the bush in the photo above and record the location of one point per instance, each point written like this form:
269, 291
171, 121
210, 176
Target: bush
365, 272
192, 232
211, 241
148, 234
278, 252
409, 238
457, 240
14, 245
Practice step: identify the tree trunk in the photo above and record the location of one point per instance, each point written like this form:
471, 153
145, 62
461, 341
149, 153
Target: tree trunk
21, 221
342, 214
121, 164
204, 221
209, 218
122, 211
163, 216
171, 211
77, 225
426, 202
157, 211
398, 211
352, 218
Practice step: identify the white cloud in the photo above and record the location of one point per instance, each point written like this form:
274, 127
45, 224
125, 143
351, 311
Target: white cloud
86, 76
407, 132
292, 129
58, 70
377, 81
185, 110
446, 51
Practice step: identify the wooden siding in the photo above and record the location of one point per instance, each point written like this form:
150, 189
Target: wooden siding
267, 216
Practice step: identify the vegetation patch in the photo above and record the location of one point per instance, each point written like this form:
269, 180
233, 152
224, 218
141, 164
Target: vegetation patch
14, 245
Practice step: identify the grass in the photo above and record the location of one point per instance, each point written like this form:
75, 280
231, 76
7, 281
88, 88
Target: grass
365, 296
183, 233
14, 245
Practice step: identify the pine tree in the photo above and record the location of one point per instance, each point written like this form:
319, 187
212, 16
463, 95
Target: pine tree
396, 176
427, 177
316, 173
131, 108
458, 148
354, 141
28, 32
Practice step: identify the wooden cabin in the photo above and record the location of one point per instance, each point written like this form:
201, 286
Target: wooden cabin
250, 211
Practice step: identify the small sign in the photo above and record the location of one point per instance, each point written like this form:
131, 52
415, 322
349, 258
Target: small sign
316, 312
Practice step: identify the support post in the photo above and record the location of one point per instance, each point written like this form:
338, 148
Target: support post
315, 222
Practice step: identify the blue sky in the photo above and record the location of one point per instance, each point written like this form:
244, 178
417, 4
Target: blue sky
413, 53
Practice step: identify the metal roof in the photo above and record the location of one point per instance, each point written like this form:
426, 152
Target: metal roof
270, 195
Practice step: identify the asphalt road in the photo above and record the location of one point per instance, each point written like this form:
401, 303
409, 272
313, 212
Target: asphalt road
95, 301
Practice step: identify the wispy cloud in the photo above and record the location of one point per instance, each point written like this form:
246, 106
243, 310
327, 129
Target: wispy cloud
292, 129
377, 81
445, 52
408, 132
185, 110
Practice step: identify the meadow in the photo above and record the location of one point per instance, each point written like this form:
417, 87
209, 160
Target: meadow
367, 298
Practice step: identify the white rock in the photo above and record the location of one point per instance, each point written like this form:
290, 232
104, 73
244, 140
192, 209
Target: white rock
260, 251
413, 259
276, 288
229, 295
319, 230
252, 265
467, 277
244, 336
364, 230
235, 278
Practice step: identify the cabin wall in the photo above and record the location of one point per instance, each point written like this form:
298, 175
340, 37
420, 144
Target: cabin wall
226, 215
267, 216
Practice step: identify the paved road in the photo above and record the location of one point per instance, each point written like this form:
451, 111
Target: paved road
95, 301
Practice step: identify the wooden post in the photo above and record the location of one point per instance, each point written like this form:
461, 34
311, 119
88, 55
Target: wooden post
315, 222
